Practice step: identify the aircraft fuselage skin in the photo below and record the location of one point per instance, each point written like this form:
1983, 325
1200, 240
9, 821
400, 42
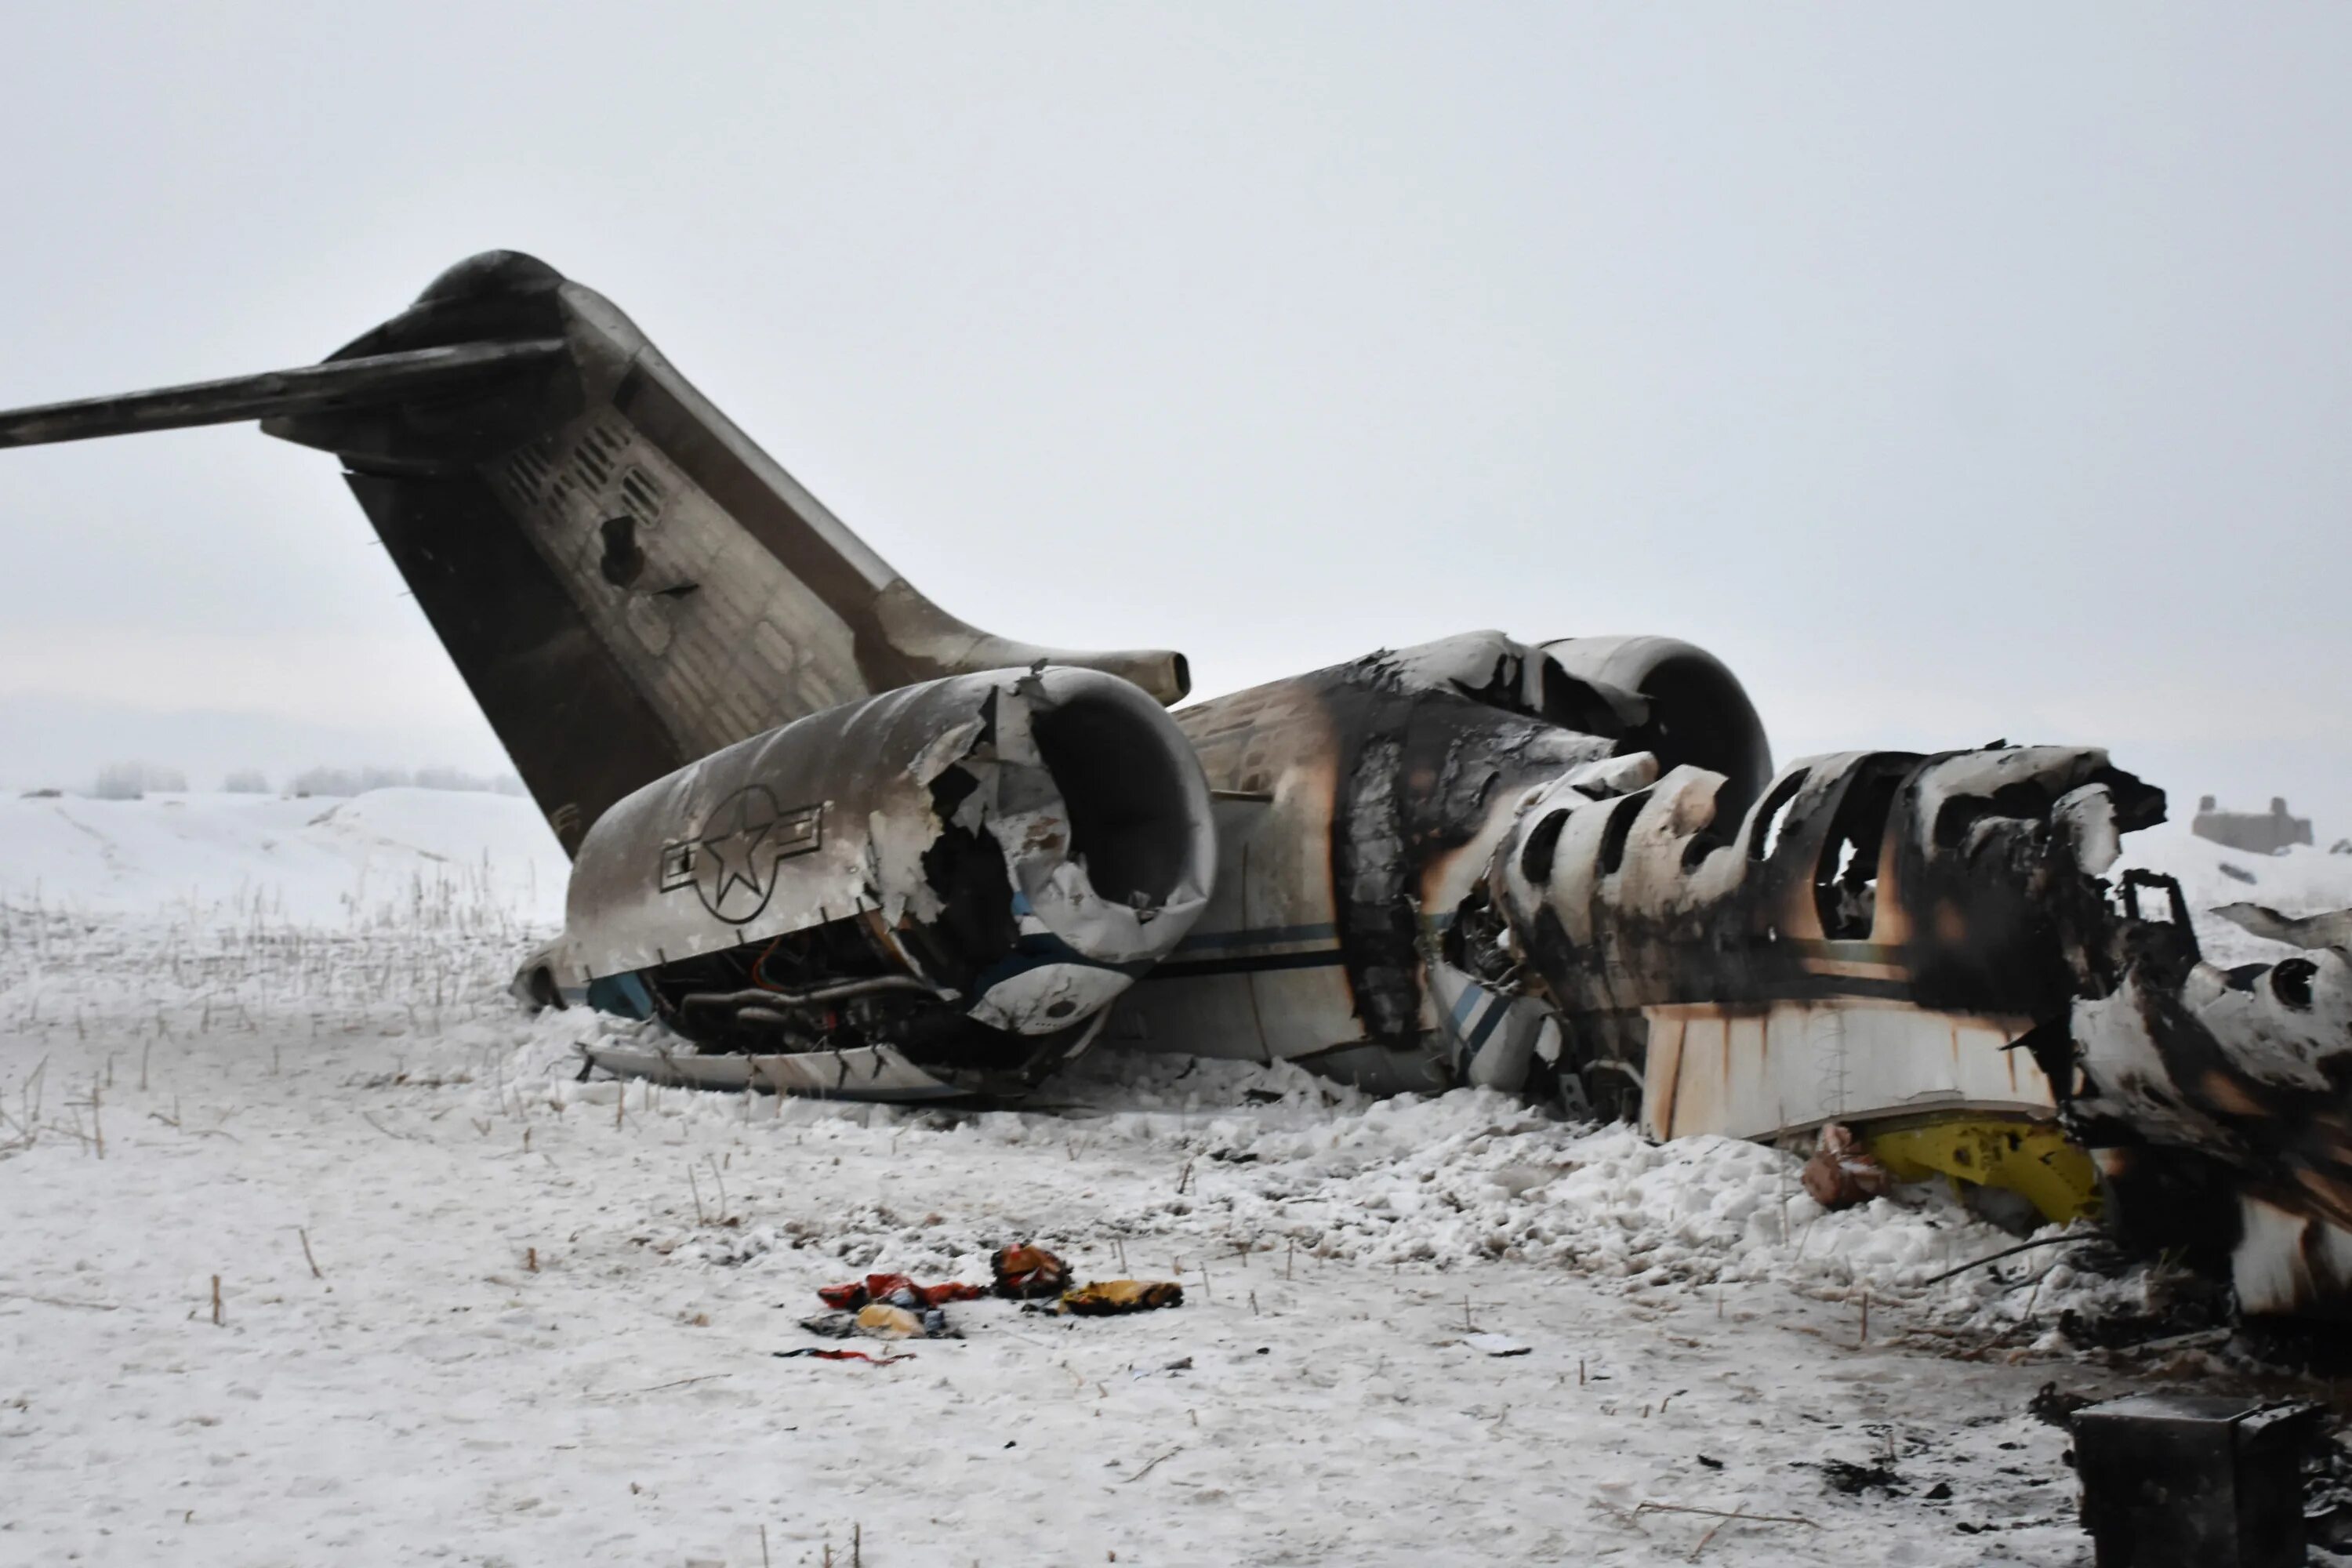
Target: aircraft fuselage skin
846, 843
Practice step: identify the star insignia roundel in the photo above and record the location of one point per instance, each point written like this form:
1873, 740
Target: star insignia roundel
733, 867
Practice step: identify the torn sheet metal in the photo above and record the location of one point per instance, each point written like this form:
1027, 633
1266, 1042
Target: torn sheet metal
1358, 805
1478, 861
2330, 928
1883, 938
852, 810
1864, 941
867, 1073
2216, 1099
966, 872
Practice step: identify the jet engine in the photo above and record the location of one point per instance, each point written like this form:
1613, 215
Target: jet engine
933, 892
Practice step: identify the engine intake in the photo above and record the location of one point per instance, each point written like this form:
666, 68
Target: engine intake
954, 878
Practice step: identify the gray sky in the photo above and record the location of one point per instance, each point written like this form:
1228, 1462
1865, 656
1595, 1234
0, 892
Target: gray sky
1952, 372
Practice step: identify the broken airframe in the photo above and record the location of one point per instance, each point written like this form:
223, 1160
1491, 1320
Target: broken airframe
843, 843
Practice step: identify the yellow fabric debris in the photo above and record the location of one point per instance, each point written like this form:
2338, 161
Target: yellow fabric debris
1104, 1297
883, 1321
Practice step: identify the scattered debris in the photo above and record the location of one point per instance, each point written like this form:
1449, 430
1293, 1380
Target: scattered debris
2055, 1408
821, 1353
2005, 1252
1841, 1173
2327, 1493
898, 1290
1853, 1479
2331, 928
1107, 1298
1497, 1344
1027, 1273
2178, 1309
881, 1320
889, 1307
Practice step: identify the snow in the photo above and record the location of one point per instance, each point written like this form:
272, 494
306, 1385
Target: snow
2302, 880
542, 1323
300, 860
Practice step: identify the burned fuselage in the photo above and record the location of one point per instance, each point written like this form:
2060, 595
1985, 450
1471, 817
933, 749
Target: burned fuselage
1468, 863
834, 840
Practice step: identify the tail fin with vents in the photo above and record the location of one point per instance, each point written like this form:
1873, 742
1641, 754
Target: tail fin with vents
626, 581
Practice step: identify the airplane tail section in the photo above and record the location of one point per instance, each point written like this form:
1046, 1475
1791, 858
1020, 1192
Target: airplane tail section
624, 579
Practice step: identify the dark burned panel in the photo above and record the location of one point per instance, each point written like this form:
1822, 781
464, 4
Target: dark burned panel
451, 371
579, 732
2185, 1481
747, 496
1425, 746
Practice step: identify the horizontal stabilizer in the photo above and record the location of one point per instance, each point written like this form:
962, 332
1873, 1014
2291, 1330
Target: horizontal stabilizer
375, 379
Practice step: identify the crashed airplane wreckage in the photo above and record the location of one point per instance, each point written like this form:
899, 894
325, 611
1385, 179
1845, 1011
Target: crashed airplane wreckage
830, 839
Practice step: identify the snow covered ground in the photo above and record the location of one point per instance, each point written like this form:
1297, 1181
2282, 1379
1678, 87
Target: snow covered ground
281, 859
240, 1036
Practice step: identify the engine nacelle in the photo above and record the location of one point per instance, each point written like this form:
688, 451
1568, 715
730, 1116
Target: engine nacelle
1694, 710
956, 878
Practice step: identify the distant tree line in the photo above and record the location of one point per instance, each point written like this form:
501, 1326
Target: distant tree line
130, 781
359, 781
134, 781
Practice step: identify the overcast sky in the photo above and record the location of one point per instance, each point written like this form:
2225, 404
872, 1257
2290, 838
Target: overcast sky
1953, 372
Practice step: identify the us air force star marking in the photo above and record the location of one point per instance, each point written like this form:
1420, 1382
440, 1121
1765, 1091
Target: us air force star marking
732, 867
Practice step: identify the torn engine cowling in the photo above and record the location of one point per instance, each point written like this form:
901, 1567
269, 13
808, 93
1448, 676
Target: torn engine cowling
934, 892
1900, 942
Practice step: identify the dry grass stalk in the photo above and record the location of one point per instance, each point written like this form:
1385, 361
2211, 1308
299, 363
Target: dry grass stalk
1724, 1514
1147, 1467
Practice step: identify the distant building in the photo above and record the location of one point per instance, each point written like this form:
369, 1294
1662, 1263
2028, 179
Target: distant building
2256, 833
